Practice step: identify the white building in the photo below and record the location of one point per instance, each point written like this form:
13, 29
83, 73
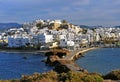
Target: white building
55, 21
17, 41
63, 40
71, 36
45, 38
97, 37
70, 44
0, 36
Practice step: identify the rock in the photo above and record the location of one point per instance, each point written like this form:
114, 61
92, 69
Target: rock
24, 57
51, 59
44, 60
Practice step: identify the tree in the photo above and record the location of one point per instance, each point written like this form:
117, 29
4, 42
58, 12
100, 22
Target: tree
39, 25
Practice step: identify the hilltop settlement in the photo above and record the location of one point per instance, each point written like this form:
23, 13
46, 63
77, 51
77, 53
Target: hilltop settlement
46, 34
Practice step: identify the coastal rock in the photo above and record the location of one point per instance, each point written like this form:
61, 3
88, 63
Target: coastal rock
24, 57
51, 59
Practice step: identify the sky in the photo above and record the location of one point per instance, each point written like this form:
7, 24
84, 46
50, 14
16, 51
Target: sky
80, 12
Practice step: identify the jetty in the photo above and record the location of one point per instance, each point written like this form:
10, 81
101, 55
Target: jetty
67, 65
67, 62
76, 53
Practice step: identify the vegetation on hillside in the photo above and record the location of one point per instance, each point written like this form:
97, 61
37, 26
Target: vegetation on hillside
62, 77
70, 76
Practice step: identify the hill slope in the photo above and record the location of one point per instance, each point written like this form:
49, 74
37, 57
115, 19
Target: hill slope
5, 26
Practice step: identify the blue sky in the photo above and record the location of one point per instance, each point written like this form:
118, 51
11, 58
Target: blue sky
85, 12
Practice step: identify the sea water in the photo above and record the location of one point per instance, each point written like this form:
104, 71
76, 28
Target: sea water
14, 65
101, 60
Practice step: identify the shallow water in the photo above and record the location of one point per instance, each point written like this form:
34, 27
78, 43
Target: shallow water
13, 65
101, 60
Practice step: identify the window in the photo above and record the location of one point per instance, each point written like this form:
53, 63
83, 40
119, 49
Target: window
63, 39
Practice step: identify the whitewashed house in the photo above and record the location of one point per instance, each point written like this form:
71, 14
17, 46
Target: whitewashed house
34, 30
97, 37
34, 40
70, 44
17, 41
0, 36
70, 36
45, 38
63, 40
55, 21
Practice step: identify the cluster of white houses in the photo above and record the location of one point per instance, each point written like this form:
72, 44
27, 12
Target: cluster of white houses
53, 33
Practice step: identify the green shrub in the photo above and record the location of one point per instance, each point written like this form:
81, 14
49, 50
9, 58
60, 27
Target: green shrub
44, 77
92, 78
79, 77
114, 75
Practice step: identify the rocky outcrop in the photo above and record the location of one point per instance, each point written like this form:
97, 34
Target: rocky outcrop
54, 55
52, 59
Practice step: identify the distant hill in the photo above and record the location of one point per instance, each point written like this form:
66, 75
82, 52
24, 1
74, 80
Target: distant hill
90, 27
5, 26
85, 26
117, 26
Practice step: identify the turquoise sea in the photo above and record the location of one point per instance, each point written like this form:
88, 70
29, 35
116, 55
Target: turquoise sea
101, 60
13, 65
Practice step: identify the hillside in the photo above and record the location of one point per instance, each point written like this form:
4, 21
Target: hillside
5, 26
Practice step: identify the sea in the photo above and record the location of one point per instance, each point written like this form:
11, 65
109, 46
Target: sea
102, 60
15, 64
